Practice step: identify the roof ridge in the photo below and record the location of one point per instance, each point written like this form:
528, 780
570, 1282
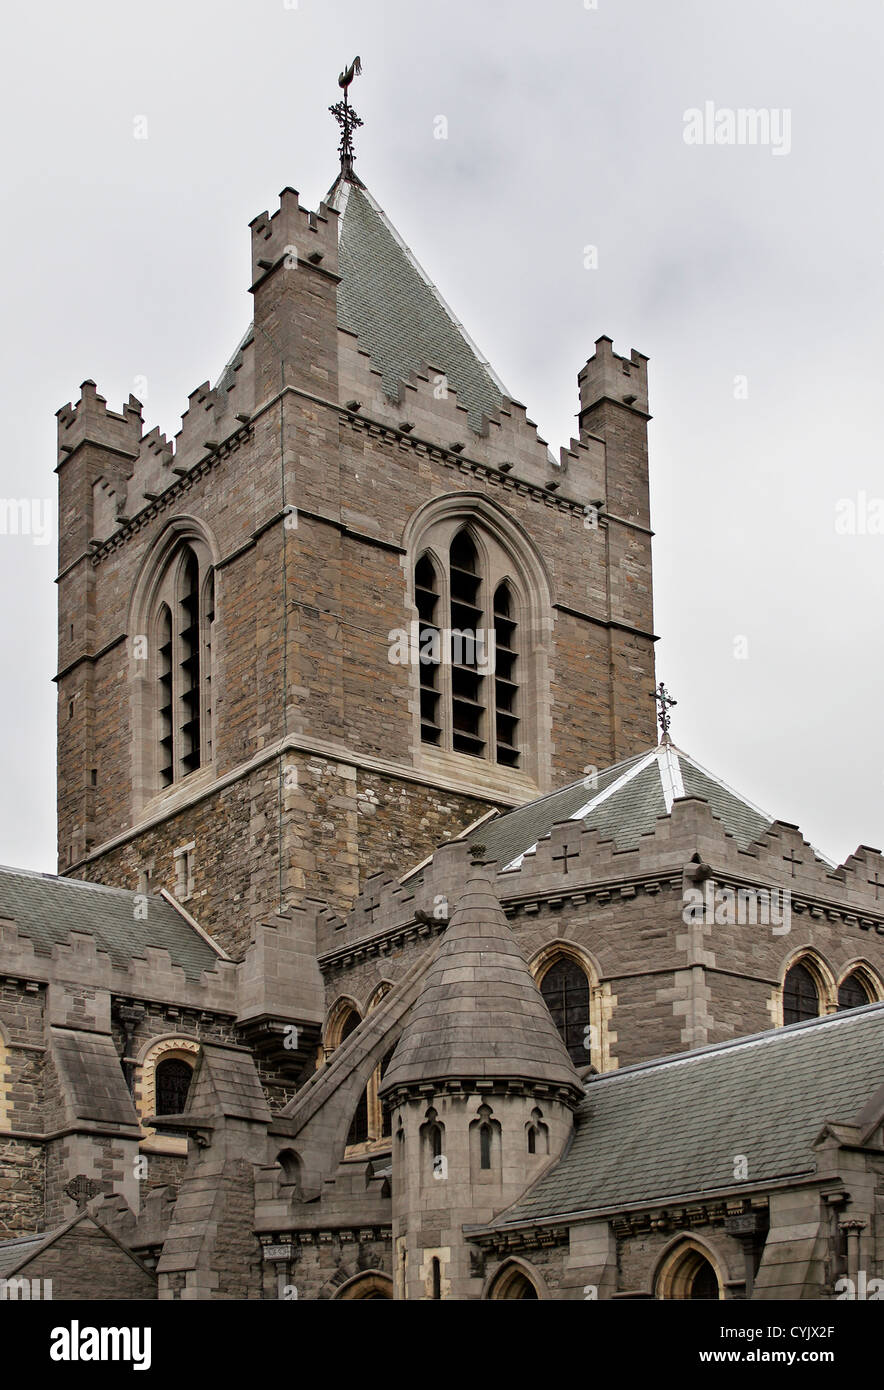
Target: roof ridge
47, 877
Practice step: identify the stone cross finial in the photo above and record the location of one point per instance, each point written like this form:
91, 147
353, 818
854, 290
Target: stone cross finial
82, 1189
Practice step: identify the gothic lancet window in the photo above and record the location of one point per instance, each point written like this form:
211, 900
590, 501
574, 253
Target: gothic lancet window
428, 601
565, 989
469, 650
183, 612
801, 999
852, 993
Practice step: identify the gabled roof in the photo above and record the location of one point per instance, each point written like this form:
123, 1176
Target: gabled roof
623, 802
392, 305
479, 1014
47, 908
671, 1128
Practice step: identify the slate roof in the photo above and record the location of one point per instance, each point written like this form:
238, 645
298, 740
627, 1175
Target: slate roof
389, 301
479, 1013
13, 1252
672, 1127
47, 908
623, 803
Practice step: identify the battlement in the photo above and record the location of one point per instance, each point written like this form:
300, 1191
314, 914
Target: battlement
314, 235
90, 421
608, 376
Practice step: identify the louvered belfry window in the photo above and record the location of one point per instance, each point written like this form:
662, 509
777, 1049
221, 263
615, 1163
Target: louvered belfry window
184, 609
469, 652
428, 601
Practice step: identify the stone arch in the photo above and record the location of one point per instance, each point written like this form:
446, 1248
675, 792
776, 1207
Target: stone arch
868, 977
823, 977
371, 1284
336, 1020
510, 1279
431, 529
601, 999
171, 1046
683, 1259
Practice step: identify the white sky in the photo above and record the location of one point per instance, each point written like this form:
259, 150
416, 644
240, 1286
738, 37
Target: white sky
125, 259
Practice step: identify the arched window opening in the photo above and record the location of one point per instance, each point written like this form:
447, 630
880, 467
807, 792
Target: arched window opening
291, 1167
164, 697
478, 589
427, 598
688, 1273
208, 621
801, 999
358, 1131
189, 692
565, 989
852, 993
485, 1146
512, 1283
537, 1133
386, 1113
467, 683
172, 1081
436, 1275
179, 617
505, 677
704, 1283
434, 1165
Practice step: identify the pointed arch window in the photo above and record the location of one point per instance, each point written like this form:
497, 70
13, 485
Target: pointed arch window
428, 601
801, 997
565, 990
469, 649
183, 612
852, 993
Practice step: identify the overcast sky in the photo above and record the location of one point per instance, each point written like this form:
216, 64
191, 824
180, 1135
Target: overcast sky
751, 275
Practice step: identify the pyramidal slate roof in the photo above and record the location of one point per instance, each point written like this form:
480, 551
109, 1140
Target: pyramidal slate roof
47, 909
670, 1129
479, 1014
392, 305
623, 802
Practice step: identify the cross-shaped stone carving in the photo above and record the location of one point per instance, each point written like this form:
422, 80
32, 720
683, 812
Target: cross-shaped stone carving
791, 859
565, 855
876, 884
82, 1189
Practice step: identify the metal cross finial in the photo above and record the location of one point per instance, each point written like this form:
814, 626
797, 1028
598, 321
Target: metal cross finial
665, 701
347, 118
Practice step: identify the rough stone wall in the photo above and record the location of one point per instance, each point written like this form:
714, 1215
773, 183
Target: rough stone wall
112, 1274
21, 1187
323, 1263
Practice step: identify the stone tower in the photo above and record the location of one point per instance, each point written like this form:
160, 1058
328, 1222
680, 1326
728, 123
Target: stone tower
481, 1092
236, 720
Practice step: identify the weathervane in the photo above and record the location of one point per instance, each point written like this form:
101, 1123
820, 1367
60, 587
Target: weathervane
665, 701
347, 119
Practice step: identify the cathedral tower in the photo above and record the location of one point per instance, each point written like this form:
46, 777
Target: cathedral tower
262, 689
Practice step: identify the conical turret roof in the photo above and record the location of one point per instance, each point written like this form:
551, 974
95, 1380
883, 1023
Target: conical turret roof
480, 1016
